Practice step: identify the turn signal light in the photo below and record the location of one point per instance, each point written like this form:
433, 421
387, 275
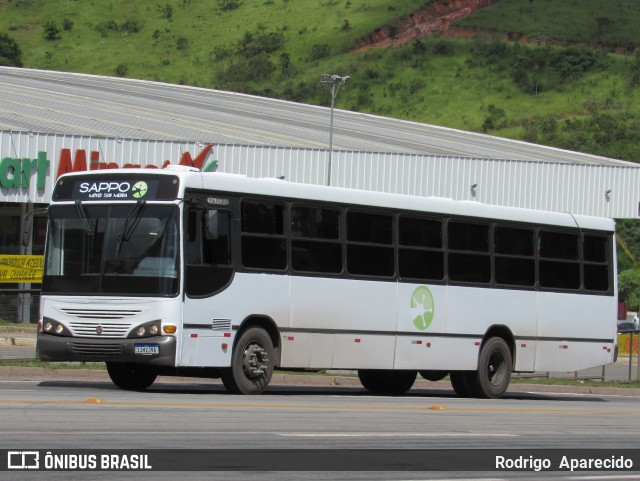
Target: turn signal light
169, 329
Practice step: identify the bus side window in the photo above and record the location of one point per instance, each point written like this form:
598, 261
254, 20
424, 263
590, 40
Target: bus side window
217, 241
596, 264
315, 240
207, 251
468, 252
514, 256
263, 242
370, 249
559, 260
193, 239
420, 252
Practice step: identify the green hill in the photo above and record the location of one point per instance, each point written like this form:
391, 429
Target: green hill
572, 80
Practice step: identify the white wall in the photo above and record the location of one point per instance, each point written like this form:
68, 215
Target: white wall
563, 187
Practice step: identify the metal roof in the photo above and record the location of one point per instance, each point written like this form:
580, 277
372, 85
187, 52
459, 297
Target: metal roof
89, 105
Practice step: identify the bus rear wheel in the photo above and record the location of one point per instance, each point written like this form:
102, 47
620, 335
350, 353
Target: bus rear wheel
382, 381
251, 363
464, 383
132, 377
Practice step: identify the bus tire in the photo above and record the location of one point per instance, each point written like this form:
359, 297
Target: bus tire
460, 381
130, 376
252, 363
494, 368
434, 375
382, 381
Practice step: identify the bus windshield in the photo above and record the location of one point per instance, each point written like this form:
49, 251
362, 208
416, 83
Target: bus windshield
124, 249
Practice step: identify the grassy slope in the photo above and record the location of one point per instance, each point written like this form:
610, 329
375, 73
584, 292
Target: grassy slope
84, 49
567, 20
442, 89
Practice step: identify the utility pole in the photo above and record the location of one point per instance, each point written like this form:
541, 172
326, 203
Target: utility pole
334, 81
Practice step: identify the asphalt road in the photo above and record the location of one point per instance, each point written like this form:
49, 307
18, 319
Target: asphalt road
78, 414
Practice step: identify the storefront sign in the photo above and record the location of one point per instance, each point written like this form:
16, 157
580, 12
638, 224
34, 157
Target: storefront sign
79, 162
17, 268
29, 173
15, 172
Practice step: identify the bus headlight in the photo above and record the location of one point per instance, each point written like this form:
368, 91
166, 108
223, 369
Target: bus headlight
147, 329
56, 328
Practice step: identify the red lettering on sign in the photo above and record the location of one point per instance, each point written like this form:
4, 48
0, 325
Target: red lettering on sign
79, 162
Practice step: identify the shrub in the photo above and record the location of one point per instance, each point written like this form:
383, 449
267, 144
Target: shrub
128, 26
226, 5
182, 43
51, 30
444, 48
256, 43
320, 50
10, 53
166, 11
121, 70
246, 70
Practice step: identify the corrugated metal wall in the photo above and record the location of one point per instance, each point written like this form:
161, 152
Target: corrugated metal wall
576, 188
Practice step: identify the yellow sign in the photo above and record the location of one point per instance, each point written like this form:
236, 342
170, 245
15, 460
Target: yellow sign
16, 268
628, 343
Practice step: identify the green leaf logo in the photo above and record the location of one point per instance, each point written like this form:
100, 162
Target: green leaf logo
422, 304
139, 189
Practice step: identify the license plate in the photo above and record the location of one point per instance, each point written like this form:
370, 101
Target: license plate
146, 349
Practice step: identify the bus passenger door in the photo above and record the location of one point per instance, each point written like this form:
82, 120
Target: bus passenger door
208, 270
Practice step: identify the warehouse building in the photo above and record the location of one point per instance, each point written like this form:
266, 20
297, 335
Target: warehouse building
53, 122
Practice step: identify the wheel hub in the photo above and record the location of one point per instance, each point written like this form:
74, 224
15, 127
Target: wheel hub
255, 361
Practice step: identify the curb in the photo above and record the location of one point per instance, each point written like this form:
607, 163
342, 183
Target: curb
23, 373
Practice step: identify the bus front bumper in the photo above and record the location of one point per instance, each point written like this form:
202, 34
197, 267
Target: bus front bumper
156, 351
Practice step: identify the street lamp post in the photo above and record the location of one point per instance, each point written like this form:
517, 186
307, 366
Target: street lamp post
335, 81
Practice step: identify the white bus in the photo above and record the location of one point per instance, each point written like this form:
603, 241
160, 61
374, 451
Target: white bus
180, 272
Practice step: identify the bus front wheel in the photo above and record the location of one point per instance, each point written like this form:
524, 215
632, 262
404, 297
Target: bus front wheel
252, 363
132, 377
382, 381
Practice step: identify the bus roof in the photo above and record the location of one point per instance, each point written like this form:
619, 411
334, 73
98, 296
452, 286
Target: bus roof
191, 178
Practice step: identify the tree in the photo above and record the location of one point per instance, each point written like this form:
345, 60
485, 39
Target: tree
286, 67
629, 288
10, 53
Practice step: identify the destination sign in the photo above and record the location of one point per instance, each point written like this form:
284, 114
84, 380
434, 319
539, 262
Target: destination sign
117, 188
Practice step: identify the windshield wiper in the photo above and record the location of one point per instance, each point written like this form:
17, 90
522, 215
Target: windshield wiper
86, 222
130, 227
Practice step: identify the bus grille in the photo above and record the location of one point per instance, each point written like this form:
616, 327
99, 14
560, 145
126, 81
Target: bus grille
106, 314
100, 329
95, 351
